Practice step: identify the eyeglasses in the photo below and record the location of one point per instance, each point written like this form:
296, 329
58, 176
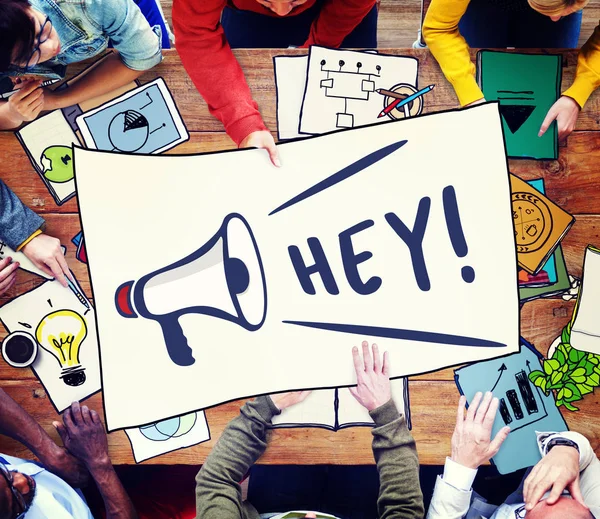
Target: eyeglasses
42, 37
17, 495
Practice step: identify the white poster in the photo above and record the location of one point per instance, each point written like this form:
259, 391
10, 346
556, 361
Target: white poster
399, 234
62, 322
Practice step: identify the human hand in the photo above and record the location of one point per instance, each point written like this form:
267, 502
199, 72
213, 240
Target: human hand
373, 377
83, 435
263, 140
557, 470
27, 103
284, 400
51, 100
60, 462
565, 111
8, 274
46, 254
472, 443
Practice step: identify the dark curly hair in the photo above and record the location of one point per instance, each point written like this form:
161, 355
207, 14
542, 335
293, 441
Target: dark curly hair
17, 32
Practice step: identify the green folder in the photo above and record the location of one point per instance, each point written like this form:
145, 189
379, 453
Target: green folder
562, 282
526, 86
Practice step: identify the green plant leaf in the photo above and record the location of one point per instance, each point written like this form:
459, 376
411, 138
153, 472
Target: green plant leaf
593, 380
575, 355
543, 385
571, 407
566, 368
585, 388
556, 377
559, 403
561, 394
578, 375
560, 357
572, 388
594, 359
551, 365
534, 375
565, 336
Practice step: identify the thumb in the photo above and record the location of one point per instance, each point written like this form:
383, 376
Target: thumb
575, 492
552, 114
497, 442
62, 432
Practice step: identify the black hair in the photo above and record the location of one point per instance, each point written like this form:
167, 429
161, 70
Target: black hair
17, 32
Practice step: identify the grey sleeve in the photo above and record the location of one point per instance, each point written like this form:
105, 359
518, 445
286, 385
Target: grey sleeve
17, 221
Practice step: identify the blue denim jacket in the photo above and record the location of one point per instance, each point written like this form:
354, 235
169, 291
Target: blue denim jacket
17, 221
86, 26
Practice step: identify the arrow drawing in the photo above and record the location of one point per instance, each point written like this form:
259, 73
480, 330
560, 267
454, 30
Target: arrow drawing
502, 369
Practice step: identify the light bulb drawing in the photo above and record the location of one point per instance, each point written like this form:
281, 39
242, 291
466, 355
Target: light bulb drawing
61, 334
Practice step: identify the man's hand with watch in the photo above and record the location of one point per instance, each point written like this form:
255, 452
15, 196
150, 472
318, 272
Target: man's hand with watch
558, 470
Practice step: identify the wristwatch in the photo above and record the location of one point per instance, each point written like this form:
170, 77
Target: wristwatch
561, 441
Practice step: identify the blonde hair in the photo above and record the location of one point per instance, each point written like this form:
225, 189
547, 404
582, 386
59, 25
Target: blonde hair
556, 7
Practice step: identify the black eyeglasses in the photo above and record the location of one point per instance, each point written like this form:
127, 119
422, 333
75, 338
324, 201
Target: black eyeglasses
7, 474
42, 37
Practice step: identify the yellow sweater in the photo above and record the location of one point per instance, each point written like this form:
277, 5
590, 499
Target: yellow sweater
440, 30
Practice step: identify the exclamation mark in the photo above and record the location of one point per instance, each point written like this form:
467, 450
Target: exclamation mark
455, 230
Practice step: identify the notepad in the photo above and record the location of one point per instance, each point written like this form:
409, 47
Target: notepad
523, 407
526, 86
539, 224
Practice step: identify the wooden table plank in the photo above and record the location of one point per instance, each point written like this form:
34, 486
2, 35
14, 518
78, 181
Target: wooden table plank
572, 181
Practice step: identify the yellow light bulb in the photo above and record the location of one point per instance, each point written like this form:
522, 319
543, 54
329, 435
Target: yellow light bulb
61, 334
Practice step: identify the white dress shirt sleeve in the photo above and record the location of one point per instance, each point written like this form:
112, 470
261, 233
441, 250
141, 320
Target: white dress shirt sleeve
452, 493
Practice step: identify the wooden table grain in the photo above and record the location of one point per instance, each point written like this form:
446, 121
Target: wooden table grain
573, 181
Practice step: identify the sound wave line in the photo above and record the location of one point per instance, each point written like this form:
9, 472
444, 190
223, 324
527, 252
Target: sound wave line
399, 333
342, 175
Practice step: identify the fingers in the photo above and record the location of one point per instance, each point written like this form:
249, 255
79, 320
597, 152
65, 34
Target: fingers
7, 269
575, 492
555, 493
7, 284
483, 407
32, 98
368, 361
273, 153
358, 365
76, 413
552, 114
537, 487
62, 432
473, 407
95, 417
57, 271
68, 420
498, 440
87, 419
460, 412
386, 364
376, 359
62, 263
25, 89
490, 415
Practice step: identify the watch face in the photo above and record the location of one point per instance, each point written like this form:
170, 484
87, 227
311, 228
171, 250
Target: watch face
532, 220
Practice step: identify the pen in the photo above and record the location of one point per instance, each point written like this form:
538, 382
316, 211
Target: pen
398, 103
76, 291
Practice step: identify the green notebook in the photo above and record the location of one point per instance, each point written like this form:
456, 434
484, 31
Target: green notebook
526, 86
562, 283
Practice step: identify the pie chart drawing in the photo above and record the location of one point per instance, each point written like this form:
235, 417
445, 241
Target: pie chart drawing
169, 428
128, 131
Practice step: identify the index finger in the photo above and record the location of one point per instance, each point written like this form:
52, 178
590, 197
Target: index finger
25, 89
57, 271
460, 412
550, 116
368, 361
358, 366
376, 359
386, 364
473, 406
62, 263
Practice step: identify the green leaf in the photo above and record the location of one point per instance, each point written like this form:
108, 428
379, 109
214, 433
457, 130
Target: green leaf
556, 377
560, 357
565, 368
565, 336
572, 388
578, 375
559, 403
594, 359
571, 407
585, 389
543, 385
575, 355
534, 375
550, 365
593, 380
561, 394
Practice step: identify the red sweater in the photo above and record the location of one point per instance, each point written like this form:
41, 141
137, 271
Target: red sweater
208, 59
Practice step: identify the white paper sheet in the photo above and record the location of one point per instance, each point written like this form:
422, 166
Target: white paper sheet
24, 262
585, 333
290, 81
242, 343
341, 88
49, 302
168, 435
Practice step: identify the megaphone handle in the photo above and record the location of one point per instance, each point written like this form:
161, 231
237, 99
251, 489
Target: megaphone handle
176, 342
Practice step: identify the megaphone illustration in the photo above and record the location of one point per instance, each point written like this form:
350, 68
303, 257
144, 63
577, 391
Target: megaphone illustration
224, 278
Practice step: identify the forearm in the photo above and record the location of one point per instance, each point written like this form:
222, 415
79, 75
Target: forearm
336, 20
218, 492
17, 221
17, 424
440, 31
395, 453
587, 77
213, 68
116, 501
8, 121
111, 74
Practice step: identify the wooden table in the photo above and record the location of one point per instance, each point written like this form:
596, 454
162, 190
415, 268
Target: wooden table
573, 181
